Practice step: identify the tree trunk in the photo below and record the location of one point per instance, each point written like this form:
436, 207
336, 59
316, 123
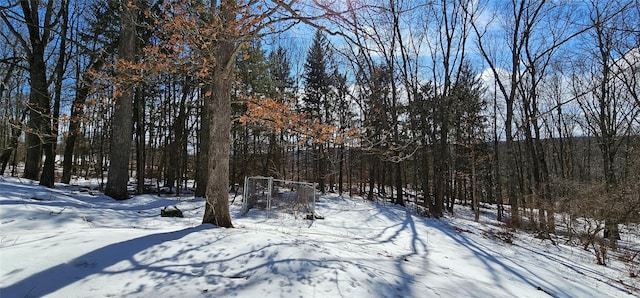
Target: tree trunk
331, 162
217, 194
77, 113
39, 98
202, 169
13, 140
440, 173
426, 188
340, 169
180, 139
48, 171
121, 132
399, 195
321, 167
218, 104
372, 176
139, 112
474, 195
47, 178
16, 131
13, 143
496, 151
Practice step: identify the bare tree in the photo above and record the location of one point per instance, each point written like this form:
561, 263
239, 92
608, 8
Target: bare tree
451, 24
39, 27
13, 111
609, 108
48, 177
531, 42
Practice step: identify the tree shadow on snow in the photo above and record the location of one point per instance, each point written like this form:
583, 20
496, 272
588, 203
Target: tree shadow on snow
95, 262
398, 227
494, 265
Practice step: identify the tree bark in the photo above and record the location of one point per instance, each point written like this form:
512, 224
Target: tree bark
202, 169
77, 113
122, 122
141, 157
13, 143
39, 98
48, 171
16, 131
218, 106
217, 194
340, 169
37, 122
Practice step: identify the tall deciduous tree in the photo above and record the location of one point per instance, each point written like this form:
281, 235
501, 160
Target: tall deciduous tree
451, 22
217, 106
609, 107
521, 17
469, 128
48, 171
12, 110
99, 40
122, 122
209, 37
39, 19
541, 43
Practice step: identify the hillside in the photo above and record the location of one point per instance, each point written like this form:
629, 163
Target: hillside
72, 241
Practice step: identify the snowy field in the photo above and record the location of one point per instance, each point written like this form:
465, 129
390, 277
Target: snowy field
72, 241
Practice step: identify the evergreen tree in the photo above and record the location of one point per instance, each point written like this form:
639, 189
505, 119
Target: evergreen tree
316, 78
280, 72
282, 90
316, 101
248, 146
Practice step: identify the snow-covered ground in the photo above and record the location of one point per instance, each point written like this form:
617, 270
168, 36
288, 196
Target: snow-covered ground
74, 242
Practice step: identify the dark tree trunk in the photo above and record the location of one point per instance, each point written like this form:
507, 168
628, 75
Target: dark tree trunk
202, 168
341, 167
39, 125
16, 130
330, 160
440, 172
219, 105
47, 178
77, 114
372, 177
217, 194
139, 112
48, 171
13, 143
496, 166
426, 188
175, 160
399, 196
122, 122
321, 167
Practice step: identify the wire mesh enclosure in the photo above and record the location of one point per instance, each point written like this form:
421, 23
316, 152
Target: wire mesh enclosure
279, 196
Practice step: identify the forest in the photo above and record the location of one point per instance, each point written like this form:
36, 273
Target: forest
531, 106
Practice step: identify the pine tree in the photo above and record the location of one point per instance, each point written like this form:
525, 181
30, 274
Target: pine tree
316, 105
253, 82
281, 88
280, 72
316, 78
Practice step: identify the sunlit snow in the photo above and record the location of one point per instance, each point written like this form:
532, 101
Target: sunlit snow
73, 241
